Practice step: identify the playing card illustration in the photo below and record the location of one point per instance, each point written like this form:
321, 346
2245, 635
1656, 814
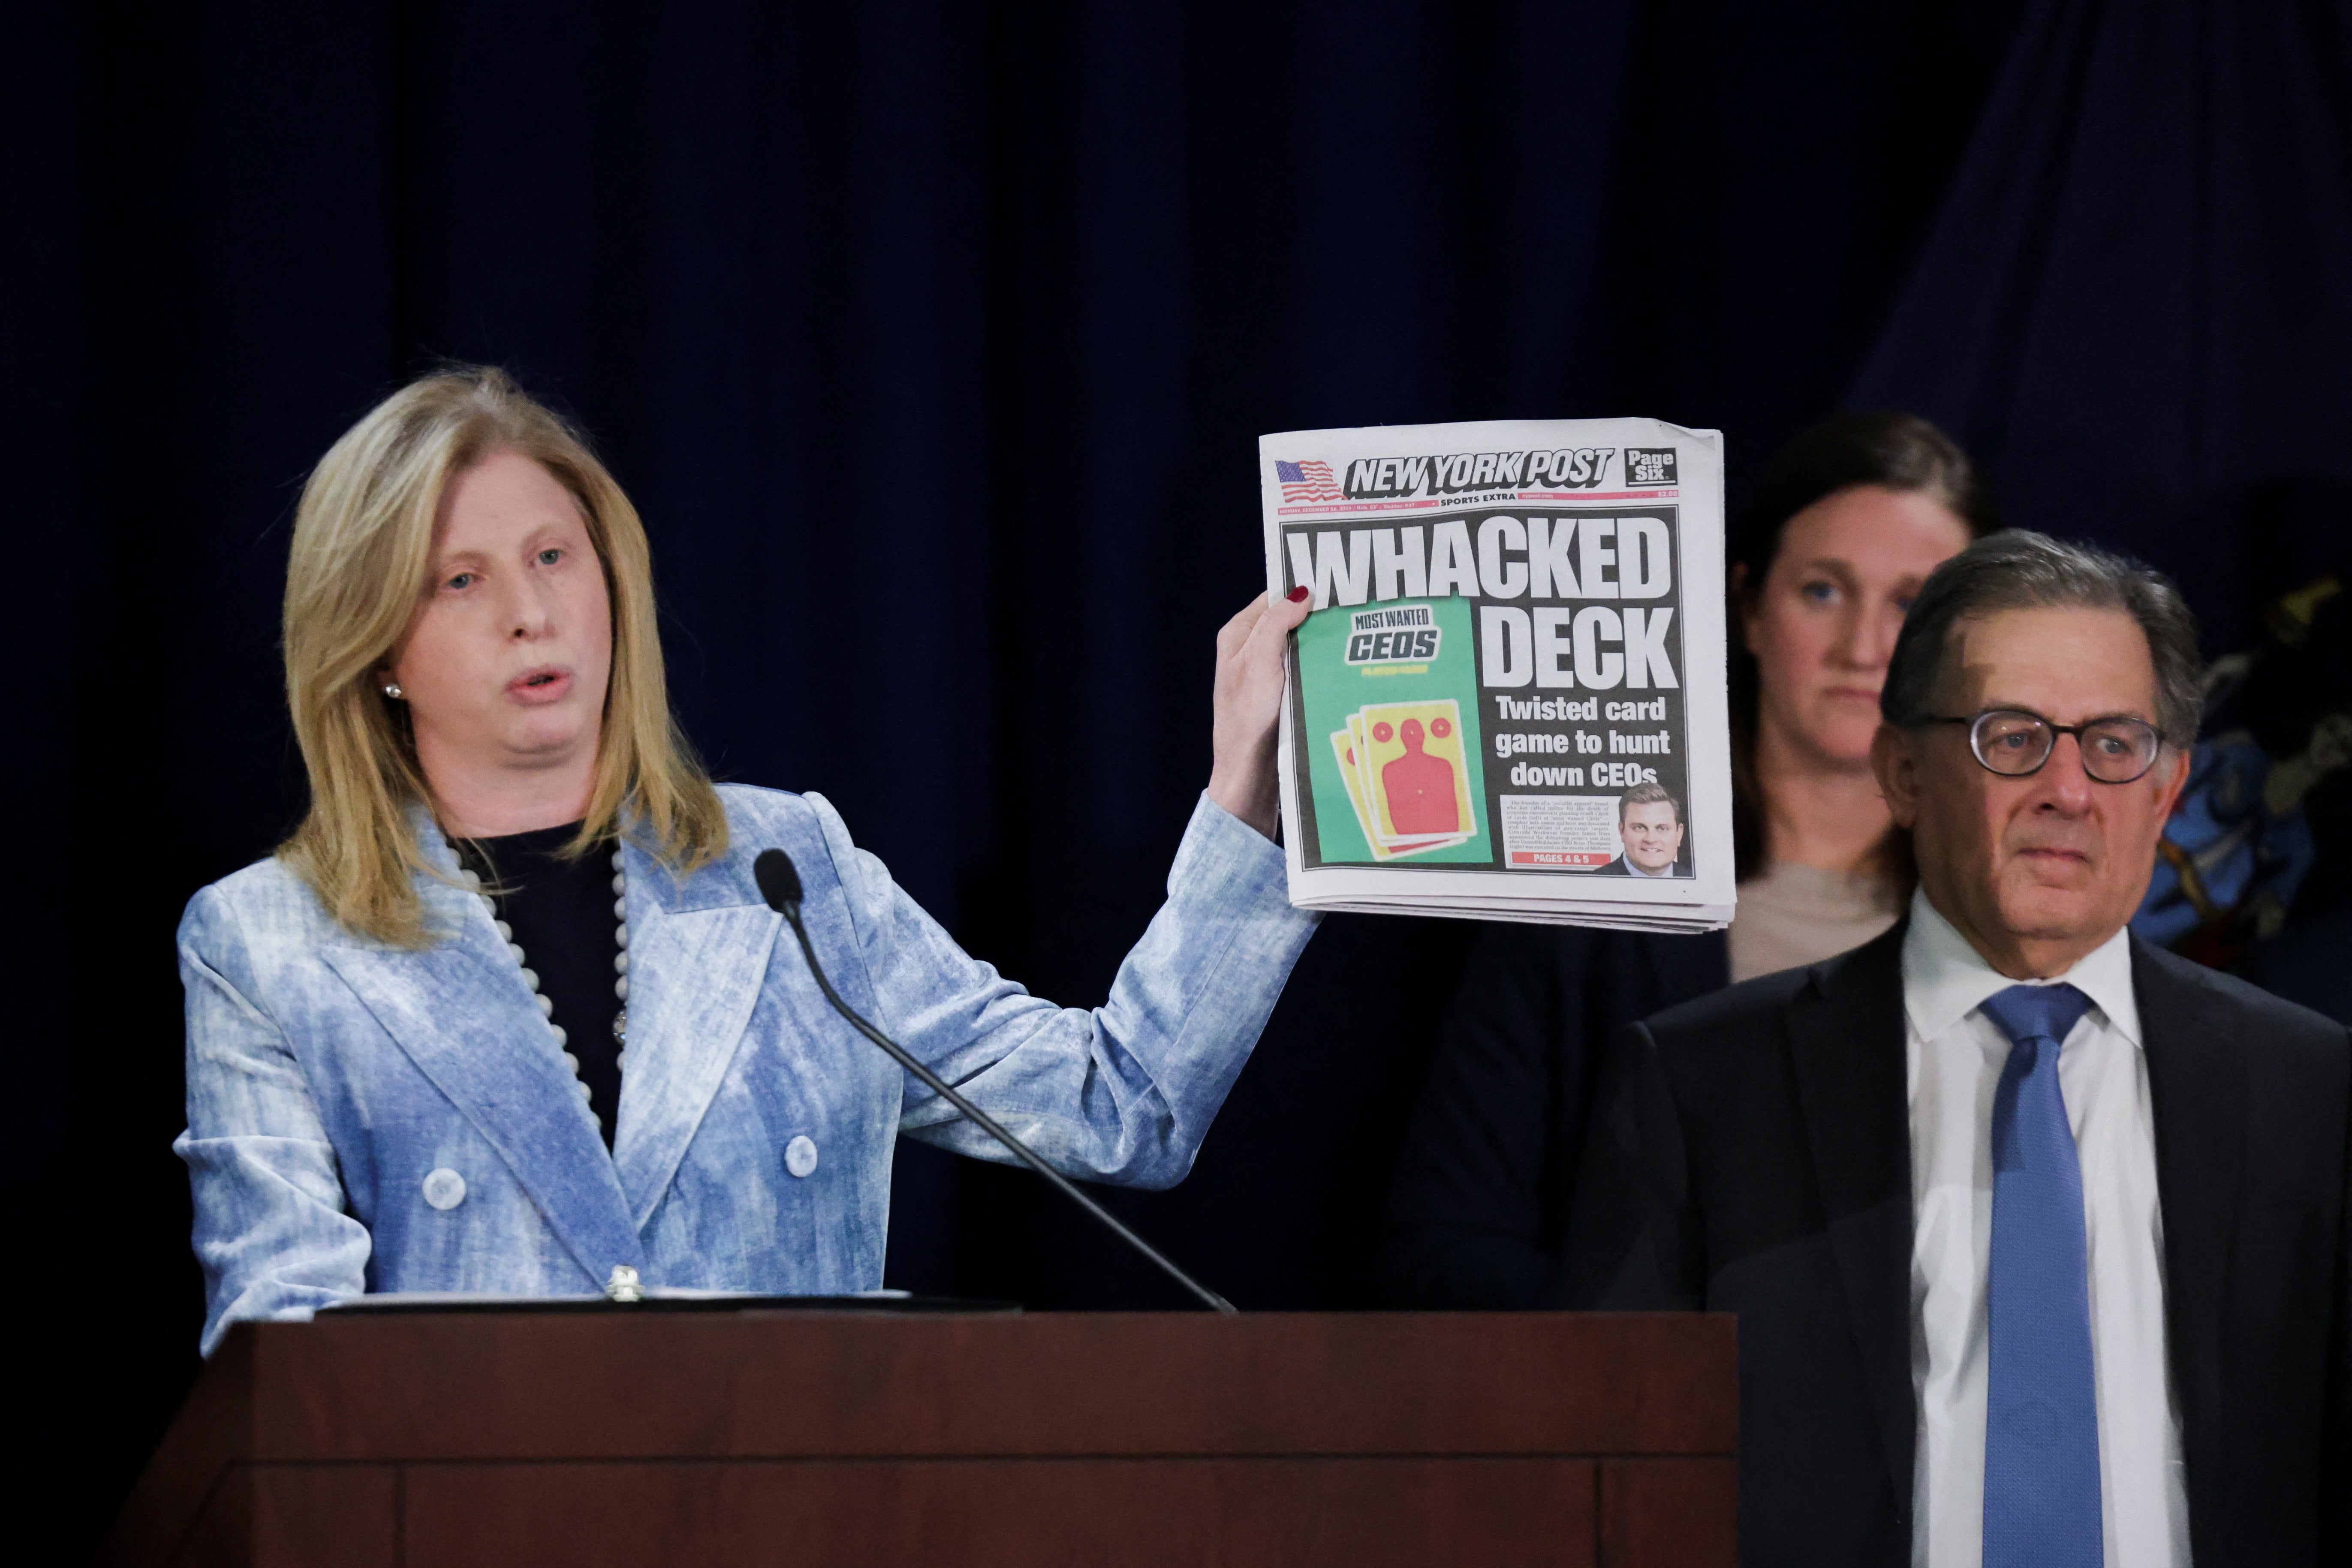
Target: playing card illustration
1417, 779
1368, 812
1344, 749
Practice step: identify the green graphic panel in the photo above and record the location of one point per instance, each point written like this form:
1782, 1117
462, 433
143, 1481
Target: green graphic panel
1332, 690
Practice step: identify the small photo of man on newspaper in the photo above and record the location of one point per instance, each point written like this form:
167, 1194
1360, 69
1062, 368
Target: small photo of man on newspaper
1649, 822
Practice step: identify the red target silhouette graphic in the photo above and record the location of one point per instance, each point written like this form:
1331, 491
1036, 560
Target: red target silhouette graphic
1419, 787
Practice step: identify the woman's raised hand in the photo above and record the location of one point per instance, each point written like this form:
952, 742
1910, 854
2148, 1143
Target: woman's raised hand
1248, 701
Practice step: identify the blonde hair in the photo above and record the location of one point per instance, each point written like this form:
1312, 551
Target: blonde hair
363, 553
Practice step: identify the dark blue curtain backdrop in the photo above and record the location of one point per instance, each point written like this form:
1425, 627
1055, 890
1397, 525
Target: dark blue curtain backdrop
2134, 305
932, 338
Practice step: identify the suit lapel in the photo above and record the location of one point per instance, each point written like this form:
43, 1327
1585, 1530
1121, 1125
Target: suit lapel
695, 974
1846, 1038
2196, 1094
462, 1013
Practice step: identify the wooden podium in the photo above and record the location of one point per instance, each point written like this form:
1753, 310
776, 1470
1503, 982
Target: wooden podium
814, 1438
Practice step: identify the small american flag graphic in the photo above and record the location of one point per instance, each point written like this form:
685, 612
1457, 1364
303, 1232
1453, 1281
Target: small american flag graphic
1308, 482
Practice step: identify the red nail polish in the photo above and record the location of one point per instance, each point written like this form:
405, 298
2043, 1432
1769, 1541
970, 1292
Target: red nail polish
1295, 594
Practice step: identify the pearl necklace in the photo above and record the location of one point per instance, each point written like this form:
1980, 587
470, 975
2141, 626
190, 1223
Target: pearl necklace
473, 883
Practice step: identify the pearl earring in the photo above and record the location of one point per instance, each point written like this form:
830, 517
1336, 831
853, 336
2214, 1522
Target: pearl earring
391, 689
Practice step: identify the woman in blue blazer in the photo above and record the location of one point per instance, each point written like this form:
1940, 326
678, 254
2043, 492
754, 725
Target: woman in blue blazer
516, 892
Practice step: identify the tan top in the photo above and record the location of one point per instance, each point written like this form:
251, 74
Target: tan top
1794, 915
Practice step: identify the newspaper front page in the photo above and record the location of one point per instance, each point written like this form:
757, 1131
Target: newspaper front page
1509, 701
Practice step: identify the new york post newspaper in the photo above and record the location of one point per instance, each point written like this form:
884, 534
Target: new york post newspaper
1508, 700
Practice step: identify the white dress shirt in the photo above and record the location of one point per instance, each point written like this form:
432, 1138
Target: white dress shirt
1955, 1060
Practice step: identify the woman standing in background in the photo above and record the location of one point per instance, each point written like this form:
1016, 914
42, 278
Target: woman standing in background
1844, 526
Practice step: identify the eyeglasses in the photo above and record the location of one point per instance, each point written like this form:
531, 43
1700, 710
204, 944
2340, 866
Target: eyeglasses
2013, 742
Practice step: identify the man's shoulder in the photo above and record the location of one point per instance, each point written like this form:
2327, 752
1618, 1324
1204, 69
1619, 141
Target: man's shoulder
1739, 1009
2173, 990
1867, 977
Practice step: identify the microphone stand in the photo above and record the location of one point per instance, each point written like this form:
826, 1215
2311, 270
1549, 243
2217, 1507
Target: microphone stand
782, 893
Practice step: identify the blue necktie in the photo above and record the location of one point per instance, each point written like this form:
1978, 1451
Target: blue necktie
2041, 1413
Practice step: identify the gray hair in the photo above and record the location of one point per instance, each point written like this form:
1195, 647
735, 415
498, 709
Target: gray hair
2018, 570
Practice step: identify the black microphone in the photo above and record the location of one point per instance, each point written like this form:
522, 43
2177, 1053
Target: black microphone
780, 884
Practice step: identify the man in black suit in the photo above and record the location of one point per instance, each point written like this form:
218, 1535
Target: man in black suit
2038, 1236
1650, 826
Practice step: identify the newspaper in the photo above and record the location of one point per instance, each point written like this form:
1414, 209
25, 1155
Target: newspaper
1509, 701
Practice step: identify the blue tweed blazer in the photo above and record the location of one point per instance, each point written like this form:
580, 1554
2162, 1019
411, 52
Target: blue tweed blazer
366, 1118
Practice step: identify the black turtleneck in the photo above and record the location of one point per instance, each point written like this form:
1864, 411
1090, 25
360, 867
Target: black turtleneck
561, 915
